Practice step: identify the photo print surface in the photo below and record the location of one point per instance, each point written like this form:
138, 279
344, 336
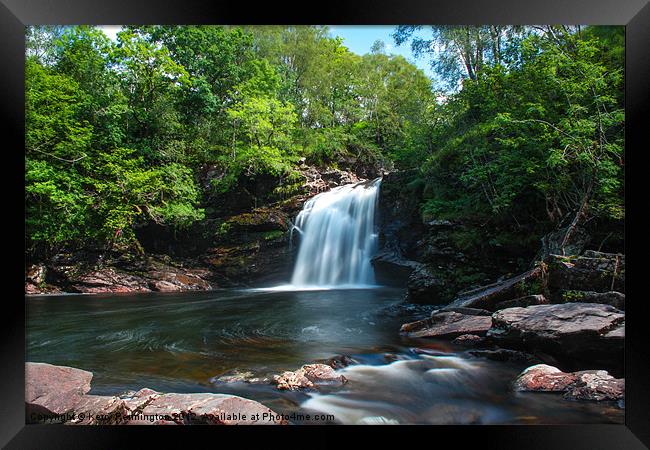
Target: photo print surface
350, 225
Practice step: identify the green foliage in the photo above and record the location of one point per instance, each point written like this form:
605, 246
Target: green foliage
118, 134
573, 296
535, 141
272, 235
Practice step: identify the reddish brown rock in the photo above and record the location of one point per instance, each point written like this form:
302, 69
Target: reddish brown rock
32, 289
53, 389
542, 377
210, 409
176, 282
596, 385
468, 339
35, 275
57, 394
108, 280
309, 376
593, 385
35, 281
293, 380
99, 410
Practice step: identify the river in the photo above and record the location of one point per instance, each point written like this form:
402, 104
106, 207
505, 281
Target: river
182, 342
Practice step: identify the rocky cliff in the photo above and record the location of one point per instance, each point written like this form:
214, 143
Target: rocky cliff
435, 259
238, 244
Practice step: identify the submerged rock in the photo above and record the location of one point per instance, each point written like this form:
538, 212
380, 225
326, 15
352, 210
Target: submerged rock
309, 376
504, 354
237, 376
340, 361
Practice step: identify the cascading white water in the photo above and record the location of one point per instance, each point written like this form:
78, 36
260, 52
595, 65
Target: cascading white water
337, 237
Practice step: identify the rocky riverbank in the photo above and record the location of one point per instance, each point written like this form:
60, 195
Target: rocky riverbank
59, 394
237, 245
567, 312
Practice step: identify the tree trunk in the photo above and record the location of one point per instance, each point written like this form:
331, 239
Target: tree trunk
576, 220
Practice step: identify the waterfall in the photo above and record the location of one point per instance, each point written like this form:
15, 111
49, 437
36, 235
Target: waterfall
337, 237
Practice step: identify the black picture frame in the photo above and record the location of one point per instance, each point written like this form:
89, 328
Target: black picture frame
16, 14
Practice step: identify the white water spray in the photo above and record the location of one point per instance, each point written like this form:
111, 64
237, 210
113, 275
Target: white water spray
337, 237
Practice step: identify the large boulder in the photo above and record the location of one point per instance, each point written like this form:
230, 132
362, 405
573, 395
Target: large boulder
264, 259
252, 248
53, 389
448, 325
544, 378
424, 286
586, 332
100, 410
596, 385
593, 271
391, 269
209, 409
552, 243
59, 394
